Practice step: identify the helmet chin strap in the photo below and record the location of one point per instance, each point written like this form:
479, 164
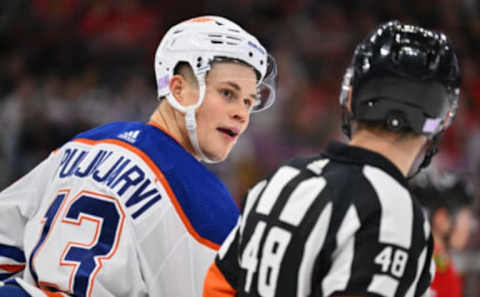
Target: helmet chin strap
191, 124
189, 114
430, 151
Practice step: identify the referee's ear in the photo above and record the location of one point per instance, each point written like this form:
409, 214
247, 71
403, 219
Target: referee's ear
349, 102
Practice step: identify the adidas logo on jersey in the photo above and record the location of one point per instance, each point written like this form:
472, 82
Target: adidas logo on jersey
130, 136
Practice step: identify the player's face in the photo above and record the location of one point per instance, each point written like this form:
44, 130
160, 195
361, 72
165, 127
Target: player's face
462, 229
224, 114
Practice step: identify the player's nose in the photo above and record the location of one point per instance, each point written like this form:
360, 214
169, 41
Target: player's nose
240, 112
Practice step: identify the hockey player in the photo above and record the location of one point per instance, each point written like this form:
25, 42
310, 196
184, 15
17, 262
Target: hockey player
128, 209
448, 200
343, 223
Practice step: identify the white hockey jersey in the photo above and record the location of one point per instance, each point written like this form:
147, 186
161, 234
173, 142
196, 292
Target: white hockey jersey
120, 210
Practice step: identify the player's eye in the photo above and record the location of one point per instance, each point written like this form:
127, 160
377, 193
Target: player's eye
248, 102
227, 94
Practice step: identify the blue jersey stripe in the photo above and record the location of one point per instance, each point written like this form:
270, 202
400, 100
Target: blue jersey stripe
4, 276
12, 253
12, 289
203, 198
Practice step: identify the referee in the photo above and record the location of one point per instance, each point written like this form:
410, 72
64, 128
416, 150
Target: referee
343, 223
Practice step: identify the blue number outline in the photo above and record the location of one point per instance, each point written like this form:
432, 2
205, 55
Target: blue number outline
109, 216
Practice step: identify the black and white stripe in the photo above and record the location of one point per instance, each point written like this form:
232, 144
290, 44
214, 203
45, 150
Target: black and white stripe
349, 227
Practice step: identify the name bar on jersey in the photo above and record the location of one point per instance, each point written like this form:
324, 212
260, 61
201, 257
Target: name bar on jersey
118, 173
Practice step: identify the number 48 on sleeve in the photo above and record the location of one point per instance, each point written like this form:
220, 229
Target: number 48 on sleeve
392, 260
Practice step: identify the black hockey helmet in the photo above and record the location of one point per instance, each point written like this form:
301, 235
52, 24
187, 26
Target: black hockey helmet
436, 190
404, 76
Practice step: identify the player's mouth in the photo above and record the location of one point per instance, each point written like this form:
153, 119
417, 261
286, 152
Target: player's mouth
229, 132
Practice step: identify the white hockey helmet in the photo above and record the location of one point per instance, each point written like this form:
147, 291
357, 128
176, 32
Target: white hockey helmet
201, 41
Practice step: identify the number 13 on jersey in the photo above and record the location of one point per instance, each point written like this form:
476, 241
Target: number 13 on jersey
80, 234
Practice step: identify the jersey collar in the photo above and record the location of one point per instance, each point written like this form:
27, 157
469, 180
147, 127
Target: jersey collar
357, 155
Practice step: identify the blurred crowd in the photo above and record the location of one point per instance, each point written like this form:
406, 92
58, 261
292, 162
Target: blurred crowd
68, 65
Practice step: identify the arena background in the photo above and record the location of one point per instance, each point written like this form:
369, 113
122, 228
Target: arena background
68, 65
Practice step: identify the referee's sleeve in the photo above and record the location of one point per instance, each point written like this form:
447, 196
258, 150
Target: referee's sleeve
382, 244
221, 278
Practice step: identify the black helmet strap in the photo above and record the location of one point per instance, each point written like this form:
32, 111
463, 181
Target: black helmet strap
431, 150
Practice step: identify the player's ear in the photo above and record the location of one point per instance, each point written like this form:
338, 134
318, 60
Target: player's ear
177, 87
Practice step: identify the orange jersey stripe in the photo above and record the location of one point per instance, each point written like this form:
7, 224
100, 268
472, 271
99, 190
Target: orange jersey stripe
12, 268
52, 294
216, 285
162, 180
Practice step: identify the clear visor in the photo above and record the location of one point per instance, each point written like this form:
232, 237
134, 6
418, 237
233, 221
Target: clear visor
266, 90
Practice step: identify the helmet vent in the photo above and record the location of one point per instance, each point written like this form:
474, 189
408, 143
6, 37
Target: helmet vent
233, 38
224, 39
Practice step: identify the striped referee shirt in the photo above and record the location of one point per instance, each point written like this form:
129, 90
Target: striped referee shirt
342, 223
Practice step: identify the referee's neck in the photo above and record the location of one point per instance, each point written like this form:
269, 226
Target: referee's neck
402, 152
